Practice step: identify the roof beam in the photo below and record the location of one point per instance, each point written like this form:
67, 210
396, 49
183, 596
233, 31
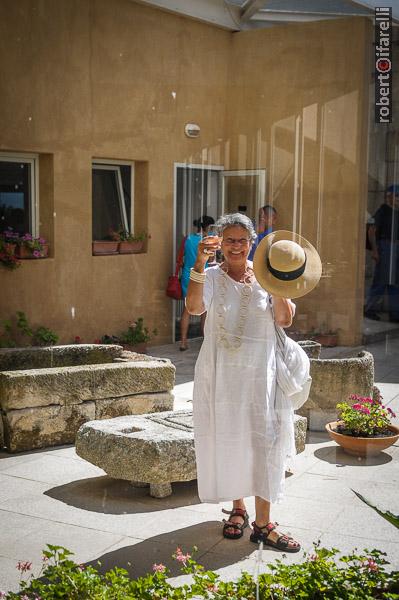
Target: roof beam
250, 8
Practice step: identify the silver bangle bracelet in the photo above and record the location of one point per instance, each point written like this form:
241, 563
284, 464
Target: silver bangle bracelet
197, 277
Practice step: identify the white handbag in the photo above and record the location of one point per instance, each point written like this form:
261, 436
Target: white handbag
292, 368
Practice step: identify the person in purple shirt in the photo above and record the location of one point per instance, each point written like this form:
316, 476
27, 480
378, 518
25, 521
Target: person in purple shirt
267, 221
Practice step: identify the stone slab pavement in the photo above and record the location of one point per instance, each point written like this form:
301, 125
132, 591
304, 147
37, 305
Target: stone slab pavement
53, 496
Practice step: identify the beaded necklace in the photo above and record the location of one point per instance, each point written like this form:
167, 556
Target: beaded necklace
232, 341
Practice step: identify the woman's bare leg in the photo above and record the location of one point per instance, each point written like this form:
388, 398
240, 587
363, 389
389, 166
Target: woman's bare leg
262, 508
184, 324
239, 520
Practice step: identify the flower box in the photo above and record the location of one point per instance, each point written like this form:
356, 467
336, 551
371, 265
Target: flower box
102, 247
24, 252
134, 247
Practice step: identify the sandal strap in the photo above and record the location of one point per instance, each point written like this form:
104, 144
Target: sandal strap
236, 512
269, 527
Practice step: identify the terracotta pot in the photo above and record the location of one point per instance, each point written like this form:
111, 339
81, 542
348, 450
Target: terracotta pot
101, 247
328, 340
25, 252
131, 247
140, 348
362, 446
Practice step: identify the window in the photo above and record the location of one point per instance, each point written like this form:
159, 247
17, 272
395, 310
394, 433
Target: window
112, 198
18, 193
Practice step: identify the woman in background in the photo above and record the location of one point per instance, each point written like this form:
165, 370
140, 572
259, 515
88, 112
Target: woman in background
189, 258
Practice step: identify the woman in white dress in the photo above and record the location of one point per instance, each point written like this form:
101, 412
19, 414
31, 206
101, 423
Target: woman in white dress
241, 441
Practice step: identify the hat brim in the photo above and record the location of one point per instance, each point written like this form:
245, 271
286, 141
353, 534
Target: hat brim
287, 289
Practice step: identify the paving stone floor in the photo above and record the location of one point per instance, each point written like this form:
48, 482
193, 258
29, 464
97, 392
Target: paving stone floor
53, 496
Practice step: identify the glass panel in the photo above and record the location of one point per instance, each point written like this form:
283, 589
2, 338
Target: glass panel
107, 215
15, 196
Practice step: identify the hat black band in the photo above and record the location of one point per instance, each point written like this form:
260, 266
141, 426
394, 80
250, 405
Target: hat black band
286, 275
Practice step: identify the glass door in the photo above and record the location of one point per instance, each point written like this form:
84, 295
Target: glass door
244, 191
197, 193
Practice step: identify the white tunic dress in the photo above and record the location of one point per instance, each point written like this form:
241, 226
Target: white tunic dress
242, 440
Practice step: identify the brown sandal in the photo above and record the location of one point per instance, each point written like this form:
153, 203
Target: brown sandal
282, 542
237, 527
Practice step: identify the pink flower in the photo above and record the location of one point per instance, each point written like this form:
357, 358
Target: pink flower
391, 412
365, 411
357, 407
24, 566
180, 557
2, 594
44, 558
37, 253
371, 565
159, 568
367, 400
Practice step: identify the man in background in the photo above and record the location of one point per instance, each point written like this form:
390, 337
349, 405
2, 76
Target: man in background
267, 222
385, 252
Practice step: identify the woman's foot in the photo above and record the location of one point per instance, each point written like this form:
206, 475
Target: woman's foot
234, 526
269, 535
183, 346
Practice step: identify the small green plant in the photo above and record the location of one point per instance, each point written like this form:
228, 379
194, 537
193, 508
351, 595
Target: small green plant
126, 236
16, 330
367, 417
322, 575
136, 333
43, 336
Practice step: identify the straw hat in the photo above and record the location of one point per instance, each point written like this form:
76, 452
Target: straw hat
287, 265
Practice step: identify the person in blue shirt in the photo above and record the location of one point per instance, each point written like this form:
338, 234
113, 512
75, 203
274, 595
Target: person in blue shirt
189, 258
267, 221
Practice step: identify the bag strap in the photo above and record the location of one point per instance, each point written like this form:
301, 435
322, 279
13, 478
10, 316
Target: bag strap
180, 255
280, 333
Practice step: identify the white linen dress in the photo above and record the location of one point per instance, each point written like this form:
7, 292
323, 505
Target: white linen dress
242, 439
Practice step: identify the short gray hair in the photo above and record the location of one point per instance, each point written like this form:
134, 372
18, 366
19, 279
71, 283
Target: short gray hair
237, 219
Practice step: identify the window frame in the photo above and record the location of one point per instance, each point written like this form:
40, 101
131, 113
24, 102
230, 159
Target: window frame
113, 165
33, 160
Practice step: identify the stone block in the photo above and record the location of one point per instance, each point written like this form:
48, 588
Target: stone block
31, 428
333, 380
300, 428
73, 385
44, 387
2, 442
138, 404
156, 449
311, 348
13, 359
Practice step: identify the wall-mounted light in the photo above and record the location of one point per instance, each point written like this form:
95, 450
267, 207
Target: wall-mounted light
192, 130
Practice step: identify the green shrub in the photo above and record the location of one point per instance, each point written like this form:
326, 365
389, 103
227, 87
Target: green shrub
321, 576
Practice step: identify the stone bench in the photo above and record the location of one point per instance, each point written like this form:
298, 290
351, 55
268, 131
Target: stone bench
154, 449
47, 393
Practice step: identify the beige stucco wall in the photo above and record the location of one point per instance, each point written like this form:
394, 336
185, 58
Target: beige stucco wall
95, 79
91, 79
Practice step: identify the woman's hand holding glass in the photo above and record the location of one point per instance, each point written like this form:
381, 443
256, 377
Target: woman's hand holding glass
209, 245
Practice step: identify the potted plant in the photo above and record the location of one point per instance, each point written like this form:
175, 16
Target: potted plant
31, 247
107, 246
135, 338
130, 243
364, 428
8, 244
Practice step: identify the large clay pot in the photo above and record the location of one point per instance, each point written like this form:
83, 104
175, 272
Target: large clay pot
101, 247
362, 446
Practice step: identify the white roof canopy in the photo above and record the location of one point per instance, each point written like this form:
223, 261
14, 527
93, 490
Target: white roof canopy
238, 15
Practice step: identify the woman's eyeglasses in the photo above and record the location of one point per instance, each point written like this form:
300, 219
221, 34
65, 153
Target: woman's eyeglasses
241, 241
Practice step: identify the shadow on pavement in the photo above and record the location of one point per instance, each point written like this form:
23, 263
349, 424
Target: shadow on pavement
336, 456
138, 558
115, 496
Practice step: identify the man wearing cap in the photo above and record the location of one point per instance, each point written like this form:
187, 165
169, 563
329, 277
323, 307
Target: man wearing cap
385, 252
